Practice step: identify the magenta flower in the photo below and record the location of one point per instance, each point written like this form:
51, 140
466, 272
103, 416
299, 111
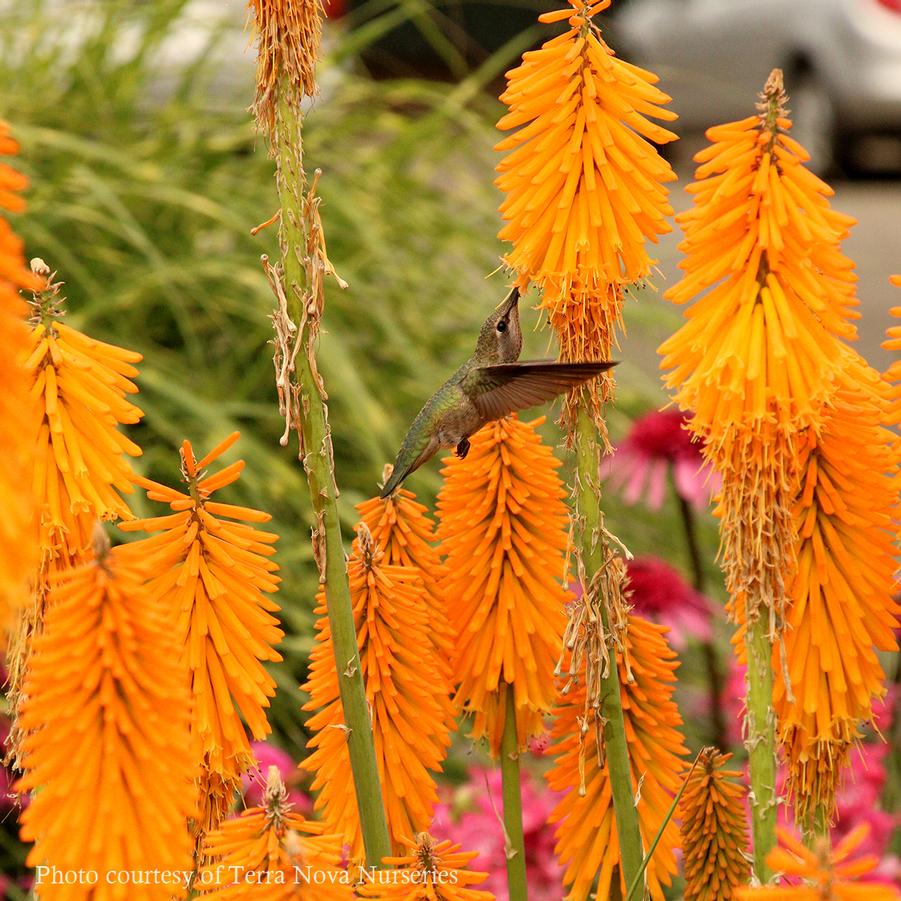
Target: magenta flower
472, 816
659, 593
657, 444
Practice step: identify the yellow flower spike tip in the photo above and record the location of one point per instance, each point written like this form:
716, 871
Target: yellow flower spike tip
212, 573
584, 187
822, 874
81, 389
271, 853
842, 610
408, 693
714, 830
586, 832
763, 243
106, 750
401, 527
431, 871
502, 527
18, 554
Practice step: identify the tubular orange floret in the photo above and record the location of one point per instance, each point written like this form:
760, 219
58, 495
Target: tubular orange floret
441, 874
714, 831
213, 575
408, 691
18, 553
586, 832
106, 750
823, 874
842, 611
267, 852
502, 526
893, 374
401, 527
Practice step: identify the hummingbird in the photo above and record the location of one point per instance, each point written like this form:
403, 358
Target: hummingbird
488, 386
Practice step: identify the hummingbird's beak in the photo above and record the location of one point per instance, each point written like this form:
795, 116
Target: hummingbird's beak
511, 301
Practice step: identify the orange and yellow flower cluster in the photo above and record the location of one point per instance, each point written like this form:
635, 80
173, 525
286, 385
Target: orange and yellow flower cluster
714, 831
17, 555
407, 686
502, 526
796, 424
586, 833
212, 571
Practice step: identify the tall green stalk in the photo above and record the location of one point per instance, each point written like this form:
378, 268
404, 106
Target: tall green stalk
711, 661
512, 797
761, 740
318, 463
594, 557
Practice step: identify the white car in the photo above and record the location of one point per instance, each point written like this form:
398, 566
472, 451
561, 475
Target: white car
841, 58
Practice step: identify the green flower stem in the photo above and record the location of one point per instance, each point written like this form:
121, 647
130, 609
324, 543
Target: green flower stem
319, 466
761, 740
711, 660
594, 551
512, 797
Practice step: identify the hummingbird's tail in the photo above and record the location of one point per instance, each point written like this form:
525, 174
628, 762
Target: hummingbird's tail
409, 459
393, 483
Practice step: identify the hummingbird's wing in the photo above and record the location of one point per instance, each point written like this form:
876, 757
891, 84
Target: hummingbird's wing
498, 390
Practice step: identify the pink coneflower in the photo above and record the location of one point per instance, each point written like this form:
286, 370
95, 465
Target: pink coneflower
659, 593
472, 812
656, 445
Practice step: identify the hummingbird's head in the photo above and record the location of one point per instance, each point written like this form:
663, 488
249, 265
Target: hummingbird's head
500, 340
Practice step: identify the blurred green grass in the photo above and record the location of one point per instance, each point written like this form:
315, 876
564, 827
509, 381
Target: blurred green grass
146, 180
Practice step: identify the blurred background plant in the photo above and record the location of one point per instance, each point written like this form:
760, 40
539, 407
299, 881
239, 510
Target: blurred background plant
146, 180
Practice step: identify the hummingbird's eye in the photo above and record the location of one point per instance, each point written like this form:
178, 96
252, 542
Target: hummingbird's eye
502, 325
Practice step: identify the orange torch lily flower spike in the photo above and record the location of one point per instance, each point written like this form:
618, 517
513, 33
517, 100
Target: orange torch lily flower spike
758, 363
842, 611
106, 748
79, 396
587, 842
714, 830
502, 526
18, 555
583, 186
764, 241
80, 387
212, 573
271, 853
408, 692
400, 526
431, 871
